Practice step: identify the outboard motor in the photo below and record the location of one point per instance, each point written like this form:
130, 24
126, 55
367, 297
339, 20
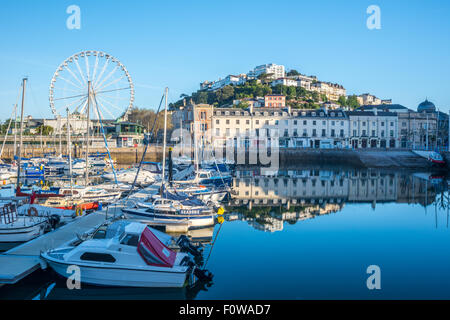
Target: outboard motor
185, 244
203, 275
54, 220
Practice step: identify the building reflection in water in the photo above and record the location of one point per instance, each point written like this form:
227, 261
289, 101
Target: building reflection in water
267, 199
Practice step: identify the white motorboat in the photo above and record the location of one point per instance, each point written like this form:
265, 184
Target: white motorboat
126, 254
15, 228
206, 194
173, 208
91, 194
128, 175
47, 212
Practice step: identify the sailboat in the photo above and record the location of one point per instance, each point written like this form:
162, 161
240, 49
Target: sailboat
171, 208
15, 228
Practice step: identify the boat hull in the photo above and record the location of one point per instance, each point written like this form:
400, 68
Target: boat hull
194, 221
121, 277
21, 234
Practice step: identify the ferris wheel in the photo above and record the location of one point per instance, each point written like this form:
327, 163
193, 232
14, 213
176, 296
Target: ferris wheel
92, 82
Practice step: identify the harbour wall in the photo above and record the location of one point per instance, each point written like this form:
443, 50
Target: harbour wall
288, 157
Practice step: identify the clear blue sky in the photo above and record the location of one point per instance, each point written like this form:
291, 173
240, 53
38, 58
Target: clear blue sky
181, 43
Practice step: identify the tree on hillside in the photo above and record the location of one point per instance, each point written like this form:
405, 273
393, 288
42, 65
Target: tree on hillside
352, 102
293, 72
342, 101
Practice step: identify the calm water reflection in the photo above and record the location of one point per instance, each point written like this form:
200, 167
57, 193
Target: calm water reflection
311, 234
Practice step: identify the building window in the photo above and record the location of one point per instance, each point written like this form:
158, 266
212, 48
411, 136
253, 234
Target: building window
228, 122
237, 121
217, 121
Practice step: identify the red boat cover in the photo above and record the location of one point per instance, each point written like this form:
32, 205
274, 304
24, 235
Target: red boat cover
154, 252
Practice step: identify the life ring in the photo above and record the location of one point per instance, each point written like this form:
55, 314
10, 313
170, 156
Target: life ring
79, 211
34, 210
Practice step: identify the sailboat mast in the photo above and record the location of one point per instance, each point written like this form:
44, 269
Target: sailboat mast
88, 120
15, 130
69, 151
164, 140
21, 133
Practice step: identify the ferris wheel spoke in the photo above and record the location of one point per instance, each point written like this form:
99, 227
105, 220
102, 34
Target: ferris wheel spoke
81, 72
95, 69
111, 83
110, 103
106, 109
70, 82
102, 72
108, 76
88, 69
73, 75
113, 90
64, 106
99, 113
83, 107
118, 98
72, 97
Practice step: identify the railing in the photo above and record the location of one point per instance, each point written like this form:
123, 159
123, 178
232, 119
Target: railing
8, 214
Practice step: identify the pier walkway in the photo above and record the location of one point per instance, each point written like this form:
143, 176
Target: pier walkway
21, 261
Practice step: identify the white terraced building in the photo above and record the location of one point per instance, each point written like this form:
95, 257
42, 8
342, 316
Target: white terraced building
373, 129
268, 127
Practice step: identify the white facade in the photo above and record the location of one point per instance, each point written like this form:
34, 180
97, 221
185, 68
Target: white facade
373, 129
276, 71
266, 127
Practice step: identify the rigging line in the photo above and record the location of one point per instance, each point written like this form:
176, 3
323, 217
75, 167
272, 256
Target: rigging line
7, 130
106, 141
102, 72
212, 246
150, 136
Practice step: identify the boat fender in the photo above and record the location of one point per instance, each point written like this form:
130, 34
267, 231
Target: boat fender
32, 211
203, 275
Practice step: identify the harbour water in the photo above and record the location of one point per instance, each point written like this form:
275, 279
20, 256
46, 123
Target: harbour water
309, 234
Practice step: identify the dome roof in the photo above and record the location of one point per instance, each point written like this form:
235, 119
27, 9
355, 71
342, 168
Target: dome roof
426, 106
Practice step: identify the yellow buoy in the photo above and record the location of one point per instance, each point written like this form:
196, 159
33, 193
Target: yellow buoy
221, 211
220, 219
